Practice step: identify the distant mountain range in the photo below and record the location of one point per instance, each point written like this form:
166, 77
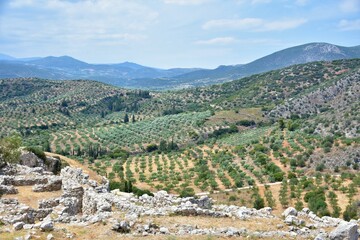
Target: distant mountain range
133, 75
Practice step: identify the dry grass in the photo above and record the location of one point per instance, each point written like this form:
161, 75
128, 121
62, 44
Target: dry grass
30, 198
232, 116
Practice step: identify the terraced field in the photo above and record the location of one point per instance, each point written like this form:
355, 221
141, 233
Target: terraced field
133, 136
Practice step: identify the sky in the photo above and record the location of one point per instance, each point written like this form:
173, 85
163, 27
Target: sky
173, 33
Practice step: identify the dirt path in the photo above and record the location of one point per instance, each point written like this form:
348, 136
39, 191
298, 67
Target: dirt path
73, 163
52, 144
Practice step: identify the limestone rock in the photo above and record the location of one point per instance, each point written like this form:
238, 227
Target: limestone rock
321, 236
164, 230
289, 211
4, 189
121, 227
47, 225
50, 237
53, 184
52, 164
30, 159
18, 226
49, 203
345, 231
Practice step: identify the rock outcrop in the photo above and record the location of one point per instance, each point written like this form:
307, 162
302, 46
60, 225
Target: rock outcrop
84, 201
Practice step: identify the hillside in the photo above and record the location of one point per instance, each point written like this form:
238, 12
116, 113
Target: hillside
32, 103
132, 75
295, 55
264, 90
255, 146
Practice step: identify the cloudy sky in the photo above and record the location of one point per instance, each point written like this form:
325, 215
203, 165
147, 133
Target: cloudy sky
173, 33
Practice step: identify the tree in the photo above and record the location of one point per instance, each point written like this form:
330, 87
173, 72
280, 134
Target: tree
351, 211
334, 204
163, 147
9, 149
299, 205
317, 201
258, 200
126, 118
133, 118
269, 197
284, 196
281, 124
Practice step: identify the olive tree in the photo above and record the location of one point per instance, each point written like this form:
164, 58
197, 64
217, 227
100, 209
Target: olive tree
9, 149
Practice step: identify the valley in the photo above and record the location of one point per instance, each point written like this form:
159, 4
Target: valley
279, 139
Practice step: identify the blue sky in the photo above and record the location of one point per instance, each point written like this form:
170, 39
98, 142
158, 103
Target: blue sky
173, 33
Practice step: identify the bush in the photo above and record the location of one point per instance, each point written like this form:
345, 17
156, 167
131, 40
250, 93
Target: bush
37, 151
126, 186
259, 203
316, 202
187, 192
351, 211
9, 150
232, 198
246, 123
151, 147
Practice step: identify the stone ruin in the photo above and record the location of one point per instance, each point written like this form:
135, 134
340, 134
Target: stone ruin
84, 201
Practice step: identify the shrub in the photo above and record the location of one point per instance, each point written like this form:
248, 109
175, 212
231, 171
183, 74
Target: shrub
187, 192
151, 147
259, 202
351, 211
9, 149
37, 151
232, 198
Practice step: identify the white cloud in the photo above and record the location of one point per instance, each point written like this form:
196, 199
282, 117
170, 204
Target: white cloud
282, 25
349, 25
301, 2
253, 2
84, 20
245, 23
21, 3
217, 41
350, 6
185, 2
253, 24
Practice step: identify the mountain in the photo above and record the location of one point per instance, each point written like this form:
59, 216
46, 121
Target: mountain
133, 75
6, 57
295, 55
63, 62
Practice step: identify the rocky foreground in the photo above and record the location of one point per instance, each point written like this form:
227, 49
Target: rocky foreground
85, 203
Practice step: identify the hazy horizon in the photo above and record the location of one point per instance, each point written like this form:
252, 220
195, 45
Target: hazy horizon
172, 33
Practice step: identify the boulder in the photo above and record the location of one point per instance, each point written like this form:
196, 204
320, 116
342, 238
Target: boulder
52, 164
321, 236
47, 225
289, 211
292, 220
18, 226
121, 227
345, 231
204, 202
30, 159
164, 230
50, 237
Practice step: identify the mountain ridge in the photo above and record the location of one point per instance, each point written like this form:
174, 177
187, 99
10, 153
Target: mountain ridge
133, 75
